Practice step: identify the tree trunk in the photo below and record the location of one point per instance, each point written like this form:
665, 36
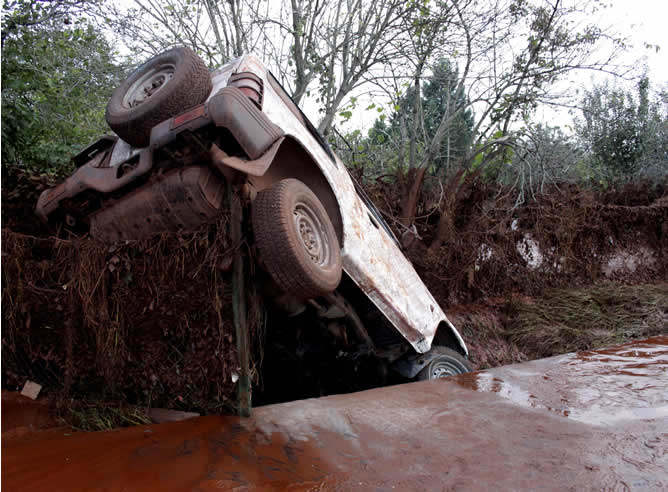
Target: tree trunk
455, 189
446, 222
330, 111
413, 187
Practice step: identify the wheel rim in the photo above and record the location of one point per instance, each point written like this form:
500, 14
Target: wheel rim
148, 85
443, 368
312, 234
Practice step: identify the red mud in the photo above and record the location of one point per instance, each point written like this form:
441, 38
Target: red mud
482, 325
596, 419
149, 323
578, 231
21, 415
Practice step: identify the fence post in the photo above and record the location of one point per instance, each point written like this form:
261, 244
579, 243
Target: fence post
239, 308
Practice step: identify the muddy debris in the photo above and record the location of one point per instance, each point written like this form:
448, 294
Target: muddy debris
148, 324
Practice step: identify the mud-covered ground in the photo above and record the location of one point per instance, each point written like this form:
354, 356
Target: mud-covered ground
110, 330
106, 328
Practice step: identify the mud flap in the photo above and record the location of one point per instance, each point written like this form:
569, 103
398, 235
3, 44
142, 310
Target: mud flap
251, 128
255, 167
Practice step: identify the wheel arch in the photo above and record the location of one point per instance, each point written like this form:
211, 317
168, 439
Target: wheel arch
447, 336
292, 160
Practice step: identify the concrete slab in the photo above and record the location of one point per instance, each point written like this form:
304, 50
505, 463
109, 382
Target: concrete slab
593, 420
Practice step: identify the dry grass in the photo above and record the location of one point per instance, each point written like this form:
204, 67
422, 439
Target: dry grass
149, 322
99, 416
565, 320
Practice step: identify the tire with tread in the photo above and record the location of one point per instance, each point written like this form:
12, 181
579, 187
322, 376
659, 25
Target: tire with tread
190, 85
453, 360
282, 247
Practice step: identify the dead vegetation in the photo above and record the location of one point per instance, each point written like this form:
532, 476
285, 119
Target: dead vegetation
96, 415
566, 320
111, 331
149, 323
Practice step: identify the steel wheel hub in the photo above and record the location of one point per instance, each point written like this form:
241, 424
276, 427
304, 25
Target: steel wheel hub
312, 234
443, 369
148, 84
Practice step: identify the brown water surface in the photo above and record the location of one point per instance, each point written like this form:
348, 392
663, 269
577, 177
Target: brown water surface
593, 420
600, 387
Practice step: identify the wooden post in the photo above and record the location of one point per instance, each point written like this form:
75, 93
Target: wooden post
239, 303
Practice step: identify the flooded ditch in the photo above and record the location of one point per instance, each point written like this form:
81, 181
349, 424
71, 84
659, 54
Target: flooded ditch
149, 323
594, 419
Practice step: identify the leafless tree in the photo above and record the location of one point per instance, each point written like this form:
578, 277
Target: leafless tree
509, 54
328, 47
218, 31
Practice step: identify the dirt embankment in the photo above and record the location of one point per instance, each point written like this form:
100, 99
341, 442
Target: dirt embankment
573, 269
150, 323
567, 236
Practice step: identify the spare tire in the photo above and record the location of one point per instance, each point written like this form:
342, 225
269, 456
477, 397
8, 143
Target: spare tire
163, 87
296, 240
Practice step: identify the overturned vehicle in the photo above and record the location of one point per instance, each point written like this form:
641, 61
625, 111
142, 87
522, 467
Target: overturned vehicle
182, 133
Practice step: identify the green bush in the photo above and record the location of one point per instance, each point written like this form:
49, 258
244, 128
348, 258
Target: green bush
57, 74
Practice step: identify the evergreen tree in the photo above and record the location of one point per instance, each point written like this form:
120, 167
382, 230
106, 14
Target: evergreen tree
438, 99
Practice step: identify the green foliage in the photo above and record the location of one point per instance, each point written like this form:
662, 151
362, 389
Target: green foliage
387, 145
57, 74
439, 99
624, 133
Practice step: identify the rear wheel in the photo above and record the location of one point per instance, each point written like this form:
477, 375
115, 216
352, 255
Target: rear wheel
447, 363
161, 88
296, 239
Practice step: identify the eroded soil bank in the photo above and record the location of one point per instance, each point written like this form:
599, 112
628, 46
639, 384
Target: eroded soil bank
589, 420
111, 330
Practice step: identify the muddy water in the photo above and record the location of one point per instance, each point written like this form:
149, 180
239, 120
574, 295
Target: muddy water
601, 387
22, 416
587, 421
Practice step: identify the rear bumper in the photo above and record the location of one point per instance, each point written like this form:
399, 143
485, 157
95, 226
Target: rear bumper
92, 176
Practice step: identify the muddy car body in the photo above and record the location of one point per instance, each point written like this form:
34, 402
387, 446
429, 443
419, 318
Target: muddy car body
249, 132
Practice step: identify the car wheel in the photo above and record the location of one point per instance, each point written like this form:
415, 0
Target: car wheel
448, 363
164, 86
296, 240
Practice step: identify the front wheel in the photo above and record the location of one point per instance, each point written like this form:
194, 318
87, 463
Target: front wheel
447, 363
296, 239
